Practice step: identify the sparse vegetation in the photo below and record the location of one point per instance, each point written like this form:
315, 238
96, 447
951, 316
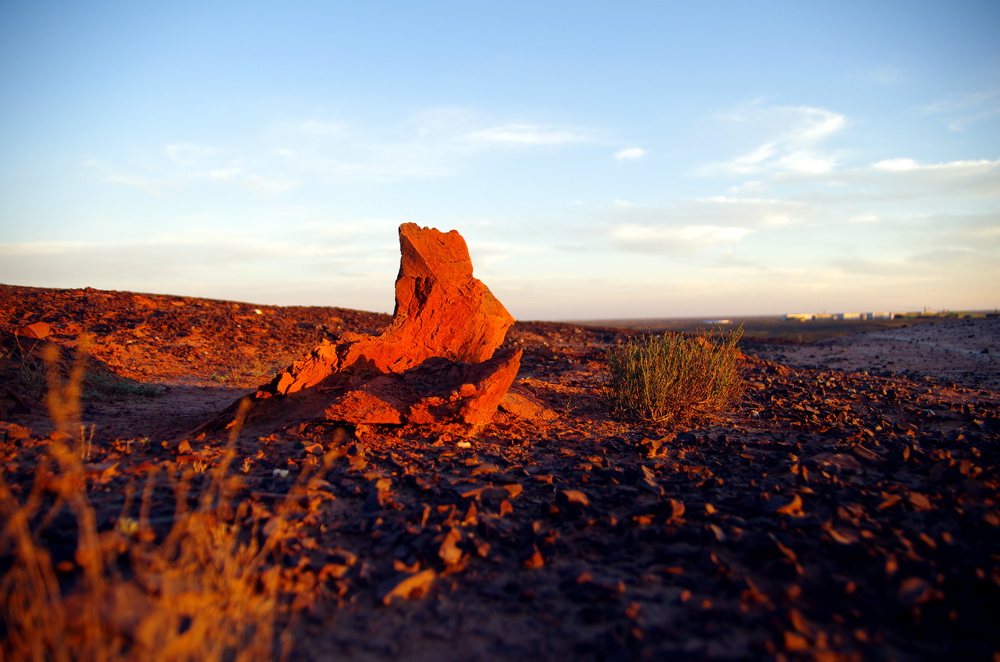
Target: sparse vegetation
23, 369
20, 369
204, 589
671, 378
250, 372
109, 386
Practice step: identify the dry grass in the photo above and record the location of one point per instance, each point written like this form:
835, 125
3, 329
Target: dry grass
671, 378
18, 368
206, 589
23, 372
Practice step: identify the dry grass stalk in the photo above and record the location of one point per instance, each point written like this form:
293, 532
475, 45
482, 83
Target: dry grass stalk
19, 371
672, 378
202, 591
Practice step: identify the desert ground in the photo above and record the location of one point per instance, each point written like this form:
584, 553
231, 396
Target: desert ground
845, 510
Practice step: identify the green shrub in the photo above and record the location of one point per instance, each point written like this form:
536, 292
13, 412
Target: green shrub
107, 386
673, 378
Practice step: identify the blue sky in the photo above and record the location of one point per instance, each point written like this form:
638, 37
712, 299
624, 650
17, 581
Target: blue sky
602, 160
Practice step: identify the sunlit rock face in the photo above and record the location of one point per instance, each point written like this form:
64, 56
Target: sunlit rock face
436, 362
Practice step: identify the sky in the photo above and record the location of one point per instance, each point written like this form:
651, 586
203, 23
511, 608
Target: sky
603, 160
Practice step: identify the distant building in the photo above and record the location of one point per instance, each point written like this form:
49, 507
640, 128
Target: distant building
805, 317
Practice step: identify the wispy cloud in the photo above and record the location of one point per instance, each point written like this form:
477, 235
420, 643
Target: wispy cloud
188, 153
944, 182
761, 212
723, 211
433, 143
865, 218
793, 146
650, 238
178, 173
630, 154
964, 111
884, 75
324, 127
528, 134
968, 167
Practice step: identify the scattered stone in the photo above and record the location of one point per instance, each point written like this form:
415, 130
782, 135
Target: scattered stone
411, 586
38, 330
574, 497
520, 402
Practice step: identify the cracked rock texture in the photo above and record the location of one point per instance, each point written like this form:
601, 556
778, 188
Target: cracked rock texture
434, 363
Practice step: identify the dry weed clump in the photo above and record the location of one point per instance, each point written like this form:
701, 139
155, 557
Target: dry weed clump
672, 378
19, 371
206, 589
25, 376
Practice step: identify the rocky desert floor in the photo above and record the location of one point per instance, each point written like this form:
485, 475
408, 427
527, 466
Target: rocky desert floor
847, 510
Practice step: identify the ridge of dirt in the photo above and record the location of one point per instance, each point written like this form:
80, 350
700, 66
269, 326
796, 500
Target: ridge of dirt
847, 511
182, 340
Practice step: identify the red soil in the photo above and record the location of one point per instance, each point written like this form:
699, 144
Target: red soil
835, 515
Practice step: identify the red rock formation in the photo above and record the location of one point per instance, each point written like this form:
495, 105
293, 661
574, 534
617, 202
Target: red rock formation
435, 361
436, 391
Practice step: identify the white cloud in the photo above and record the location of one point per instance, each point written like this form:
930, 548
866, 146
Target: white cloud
793, 146
488, 256
324, 128
41, 248
647, 238
897, 165
292, 154
726, 200
865, 218
187, 153
806, 163
749, 211
147, 184
630, 154
964, 111
527, 134
267, 186
948, 183
969, 167
225, 174
696, 224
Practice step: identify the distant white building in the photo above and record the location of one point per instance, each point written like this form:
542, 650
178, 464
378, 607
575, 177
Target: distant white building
805, 317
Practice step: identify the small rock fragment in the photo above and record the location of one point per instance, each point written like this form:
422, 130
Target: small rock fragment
38, 330
575, 497
413, 586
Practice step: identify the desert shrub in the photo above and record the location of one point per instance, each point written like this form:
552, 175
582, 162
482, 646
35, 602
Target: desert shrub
107, 386
23, 371
672, 378
206, 589
20, 369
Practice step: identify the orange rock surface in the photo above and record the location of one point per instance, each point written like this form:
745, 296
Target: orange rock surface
435, 361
